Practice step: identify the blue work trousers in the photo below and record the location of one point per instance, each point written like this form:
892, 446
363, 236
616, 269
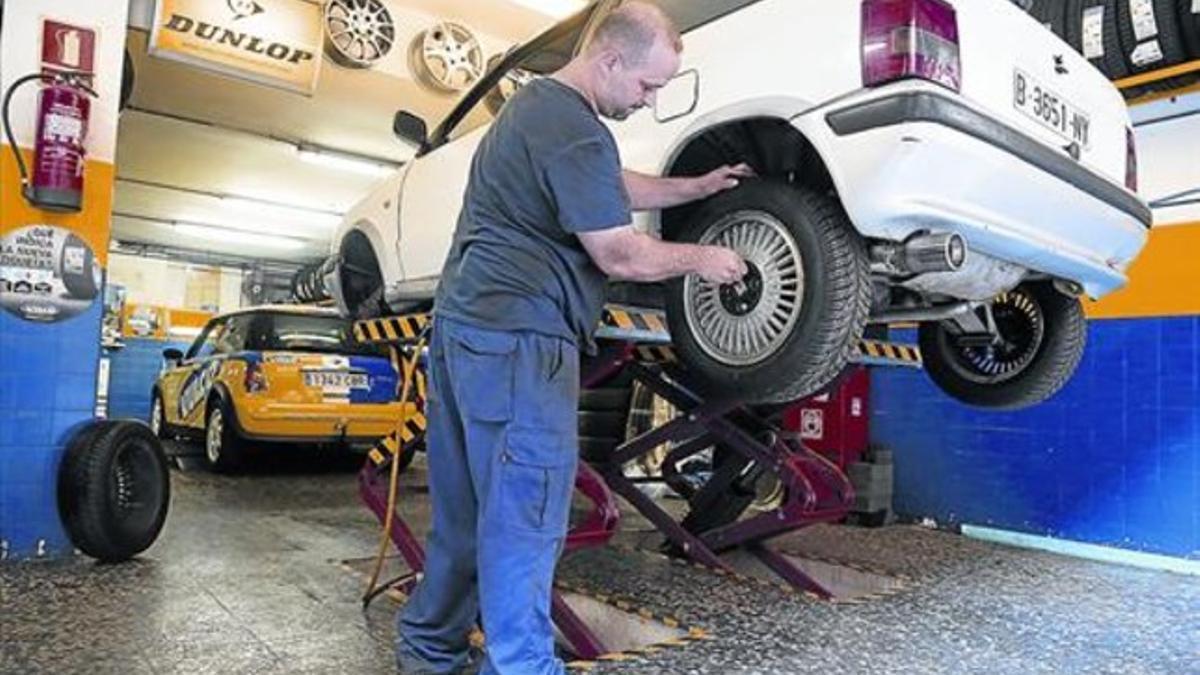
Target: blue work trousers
502, 452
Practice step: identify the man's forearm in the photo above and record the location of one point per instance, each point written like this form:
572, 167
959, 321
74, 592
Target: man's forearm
651, 192
650, 259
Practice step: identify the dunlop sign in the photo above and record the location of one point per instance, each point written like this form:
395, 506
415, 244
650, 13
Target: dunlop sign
272, 42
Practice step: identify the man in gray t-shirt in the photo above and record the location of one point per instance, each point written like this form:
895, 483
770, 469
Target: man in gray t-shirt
545, 221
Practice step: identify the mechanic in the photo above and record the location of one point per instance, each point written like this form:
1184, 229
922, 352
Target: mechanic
545, 221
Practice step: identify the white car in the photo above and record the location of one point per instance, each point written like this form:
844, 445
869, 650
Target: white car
949, 163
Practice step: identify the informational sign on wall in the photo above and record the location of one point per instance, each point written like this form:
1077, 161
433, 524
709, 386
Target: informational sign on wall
47, 273
271, 42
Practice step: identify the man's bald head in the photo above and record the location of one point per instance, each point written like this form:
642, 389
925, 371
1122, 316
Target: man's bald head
632, 53
633, 29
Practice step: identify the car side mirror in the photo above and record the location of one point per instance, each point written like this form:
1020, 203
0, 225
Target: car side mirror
410, 128
172, 355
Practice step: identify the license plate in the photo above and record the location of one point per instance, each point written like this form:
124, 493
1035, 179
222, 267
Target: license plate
335, 380
1050, 109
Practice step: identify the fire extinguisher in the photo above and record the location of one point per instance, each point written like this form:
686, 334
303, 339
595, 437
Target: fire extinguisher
58, 155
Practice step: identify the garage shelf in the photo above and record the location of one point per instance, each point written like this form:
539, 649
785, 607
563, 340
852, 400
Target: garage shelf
1158, 76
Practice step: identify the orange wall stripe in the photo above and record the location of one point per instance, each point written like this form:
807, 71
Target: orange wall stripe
1163, 281
92, 224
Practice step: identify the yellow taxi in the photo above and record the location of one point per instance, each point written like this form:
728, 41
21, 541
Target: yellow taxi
291, 374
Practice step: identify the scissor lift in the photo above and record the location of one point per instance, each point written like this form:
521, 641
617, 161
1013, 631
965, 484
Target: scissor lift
636, 341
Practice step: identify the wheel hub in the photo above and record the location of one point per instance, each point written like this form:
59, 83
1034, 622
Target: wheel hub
740, 298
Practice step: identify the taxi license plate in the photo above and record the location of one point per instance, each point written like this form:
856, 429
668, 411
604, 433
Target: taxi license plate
335, 380
1050, 109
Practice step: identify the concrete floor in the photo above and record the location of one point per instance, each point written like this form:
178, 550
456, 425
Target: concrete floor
249, 576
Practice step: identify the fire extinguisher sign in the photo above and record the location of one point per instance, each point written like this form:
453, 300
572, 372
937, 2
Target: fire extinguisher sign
67, 48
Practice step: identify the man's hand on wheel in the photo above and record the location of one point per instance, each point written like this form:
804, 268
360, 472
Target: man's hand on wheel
720, 265
721, 179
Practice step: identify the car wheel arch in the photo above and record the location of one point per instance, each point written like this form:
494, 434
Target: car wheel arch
780, 151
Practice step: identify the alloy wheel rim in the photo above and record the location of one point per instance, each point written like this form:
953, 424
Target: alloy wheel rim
1022, 327
212, 438
746, 323
156, 417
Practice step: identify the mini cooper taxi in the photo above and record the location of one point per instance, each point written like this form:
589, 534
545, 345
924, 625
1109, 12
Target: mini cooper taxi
289, 374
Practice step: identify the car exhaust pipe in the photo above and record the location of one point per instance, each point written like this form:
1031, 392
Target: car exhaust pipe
924, 314
922, 254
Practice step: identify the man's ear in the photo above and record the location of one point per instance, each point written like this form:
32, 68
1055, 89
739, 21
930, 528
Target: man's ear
610, 60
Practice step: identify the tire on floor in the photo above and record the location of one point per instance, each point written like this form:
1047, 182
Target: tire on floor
114, 489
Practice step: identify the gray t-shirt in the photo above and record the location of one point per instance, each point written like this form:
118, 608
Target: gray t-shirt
546, 170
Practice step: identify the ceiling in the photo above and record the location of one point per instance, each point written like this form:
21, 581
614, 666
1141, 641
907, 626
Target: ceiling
211, 163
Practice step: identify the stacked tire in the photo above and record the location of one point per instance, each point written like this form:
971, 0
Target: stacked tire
1127, 37
308, 284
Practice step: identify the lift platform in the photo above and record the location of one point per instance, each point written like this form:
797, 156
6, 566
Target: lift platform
636, 342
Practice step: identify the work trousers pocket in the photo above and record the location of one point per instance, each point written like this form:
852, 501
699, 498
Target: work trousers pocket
481, 365
537, 477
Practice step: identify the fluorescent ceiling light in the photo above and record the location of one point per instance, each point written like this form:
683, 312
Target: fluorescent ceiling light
343, 162
221, 234
305, 214
558, 9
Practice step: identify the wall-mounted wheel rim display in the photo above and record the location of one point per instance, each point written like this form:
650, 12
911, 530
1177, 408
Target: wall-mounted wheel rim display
447, 57
358, 33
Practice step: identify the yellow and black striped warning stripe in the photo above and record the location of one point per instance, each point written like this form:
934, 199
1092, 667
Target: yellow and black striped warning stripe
634, 319
656, 354
388, 446
877, 352
691, 634
629, 323
391, 329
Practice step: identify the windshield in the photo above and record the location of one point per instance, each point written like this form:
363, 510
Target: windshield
318, 334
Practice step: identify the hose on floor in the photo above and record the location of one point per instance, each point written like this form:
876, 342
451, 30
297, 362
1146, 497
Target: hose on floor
409, 371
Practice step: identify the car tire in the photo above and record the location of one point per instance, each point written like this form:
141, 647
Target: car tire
359, 279
223, 448
1045, 333
794, 324
158, 418
1189, 26
114, 489
1052, 14
1140, 56
1112, 61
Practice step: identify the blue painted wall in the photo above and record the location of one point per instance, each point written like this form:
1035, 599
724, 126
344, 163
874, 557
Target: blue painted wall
47, 389
133, 369
1113, 459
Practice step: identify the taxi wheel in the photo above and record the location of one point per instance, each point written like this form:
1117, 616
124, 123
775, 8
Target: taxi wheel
222, 445
158, 422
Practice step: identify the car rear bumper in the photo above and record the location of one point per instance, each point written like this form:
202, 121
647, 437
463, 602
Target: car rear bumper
918, 160
350, 423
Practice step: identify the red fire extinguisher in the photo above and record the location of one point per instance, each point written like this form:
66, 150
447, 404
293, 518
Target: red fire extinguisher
58, 154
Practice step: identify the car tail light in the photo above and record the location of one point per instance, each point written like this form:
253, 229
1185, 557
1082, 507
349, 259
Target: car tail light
1131, 164
256, 379
910, 38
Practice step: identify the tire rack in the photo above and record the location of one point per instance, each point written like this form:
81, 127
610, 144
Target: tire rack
637, 340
